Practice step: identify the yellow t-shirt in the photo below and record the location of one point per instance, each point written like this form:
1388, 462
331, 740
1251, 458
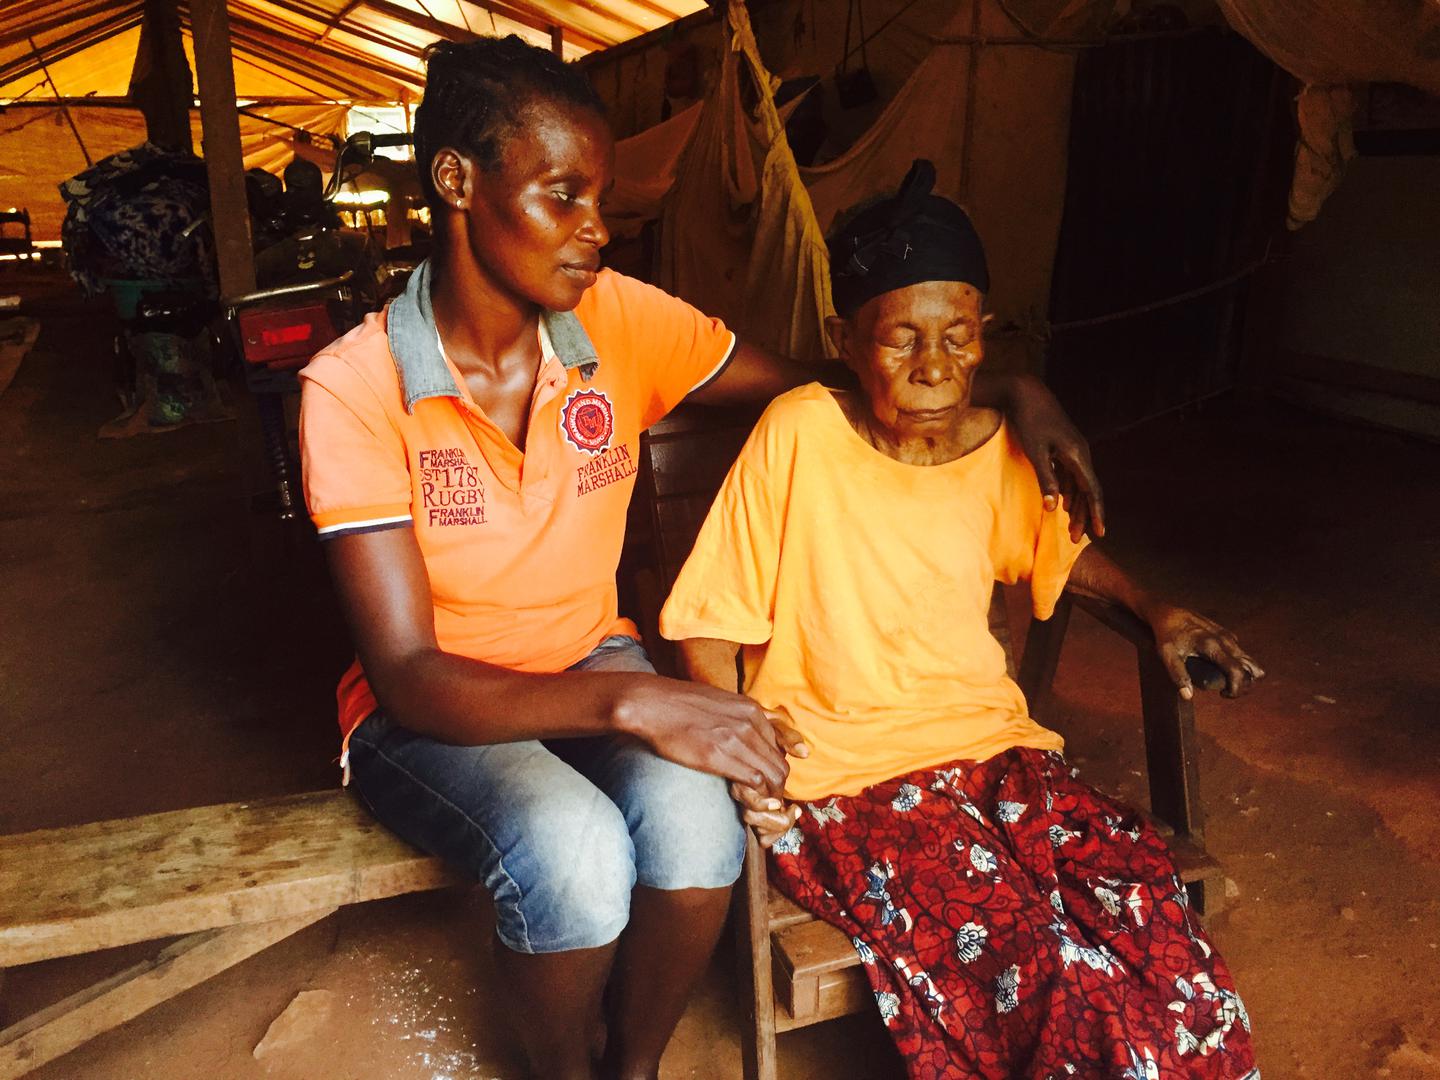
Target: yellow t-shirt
860, 588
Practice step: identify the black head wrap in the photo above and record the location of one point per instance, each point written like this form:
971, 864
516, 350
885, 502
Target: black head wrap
909, 237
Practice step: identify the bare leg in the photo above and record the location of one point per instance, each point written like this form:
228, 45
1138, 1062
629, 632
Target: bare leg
662, 955
555, 1004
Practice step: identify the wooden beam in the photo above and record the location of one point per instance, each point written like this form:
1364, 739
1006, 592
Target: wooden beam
659, 34
557, 41
603, 12
287, 72
257, 34
224, 161
301, 36
1407, 385
451, 32
275, 53
77, 1019
70, 18
359, 62
69, 45
281, 101
338, 19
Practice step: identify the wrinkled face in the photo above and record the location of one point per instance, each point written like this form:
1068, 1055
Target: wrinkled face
915, 351
532, 225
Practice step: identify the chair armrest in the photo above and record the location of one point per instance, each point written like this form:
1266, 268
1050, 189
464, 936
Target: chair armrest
1123, 621
1169, 719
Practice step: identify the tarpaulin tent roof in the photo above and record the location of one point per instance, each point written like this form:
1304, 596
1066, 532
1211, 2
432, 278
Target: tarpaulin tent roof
299, 65
301, 50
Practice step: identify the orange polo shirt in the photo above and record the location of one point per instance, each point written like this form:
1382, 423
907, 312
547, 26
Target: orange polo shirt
860, 588
521, 549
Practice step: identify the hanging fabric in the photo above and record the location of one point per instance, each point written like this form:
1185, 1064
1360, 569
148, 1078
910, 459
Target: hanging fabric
739, 237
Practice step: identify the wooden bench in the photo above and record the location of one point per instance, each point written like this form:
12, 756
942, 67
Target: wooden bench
234, 879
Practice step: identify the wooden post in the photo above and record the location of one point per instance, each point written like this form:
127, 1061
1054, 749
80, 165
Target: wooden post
557, 41
220, 132
1038, 663
758, 1054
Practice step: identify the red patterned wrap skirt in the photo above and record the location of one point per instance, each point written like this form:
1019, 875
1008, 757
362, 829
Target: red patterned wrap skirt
1016, 924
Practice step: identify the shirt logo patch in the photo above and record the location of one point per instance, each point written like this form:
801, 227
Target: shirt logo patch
588, 421
451, 490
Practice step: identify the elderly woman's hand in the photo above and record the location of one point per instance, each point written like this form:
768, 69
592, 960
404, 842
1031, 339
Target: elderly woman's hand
771, 818
1180, 633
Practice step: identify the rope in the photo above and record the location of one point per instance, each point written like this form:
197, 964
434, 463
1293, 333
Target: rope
1169, 301
1040, 330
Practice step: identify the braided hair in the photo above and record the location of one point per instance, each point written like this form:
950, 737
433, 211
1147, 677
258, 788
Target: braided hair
475, 92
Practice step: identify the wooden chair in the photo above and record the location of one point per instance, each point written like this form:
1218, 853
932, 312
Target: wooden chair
795, 970
21, 245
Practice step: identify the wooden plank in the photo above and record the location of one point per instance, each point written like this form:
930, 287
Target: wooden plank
67, 1024
1409, 385
758, 1054
1043, 643
797, 996
838, 993
1170, 756
813, 948
95, 886
1192, 861
224, 162
784, 912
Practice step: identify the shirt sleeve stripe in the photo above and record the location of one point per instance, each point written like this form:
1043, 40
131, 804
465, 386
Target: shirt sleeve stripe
719, 368
352, 528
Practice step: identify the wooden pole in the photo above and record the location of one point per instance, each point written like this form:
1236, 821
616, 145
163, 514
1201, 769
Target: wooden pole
220, 133
557, 41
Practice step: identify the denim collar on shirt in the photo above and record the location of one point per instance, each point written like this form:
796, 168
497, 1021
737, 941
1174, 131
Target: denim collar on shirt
414, 343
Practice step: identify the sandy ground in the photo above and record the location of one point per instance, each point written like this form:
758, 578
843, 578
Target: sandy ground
152, 657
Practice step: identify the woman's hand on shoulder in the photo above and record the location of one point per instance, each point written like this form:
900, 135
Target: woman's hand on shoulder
1181, 633
704, 728
1060, 454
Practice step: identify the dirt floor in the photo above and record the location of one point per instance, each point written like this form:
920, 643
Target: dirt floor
153, 656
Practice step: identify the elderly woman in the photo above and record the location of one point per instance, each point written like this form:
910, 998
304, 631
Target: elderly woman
1013, 921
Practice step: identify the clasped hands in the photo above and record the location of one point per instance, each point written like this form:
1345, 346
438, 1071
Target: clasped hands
766, 811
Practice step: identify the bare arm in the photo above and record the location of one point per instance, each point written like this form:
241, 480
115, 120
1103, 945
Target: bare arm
1054, 446
1178, 632
710, 661
385, 594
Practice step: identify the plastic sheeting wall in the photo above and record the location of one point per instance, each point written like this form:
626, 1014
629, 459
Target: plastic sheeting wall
1018, 131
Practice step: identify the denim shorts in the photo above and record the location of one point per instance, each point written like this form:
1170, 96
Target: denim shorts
559, 832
